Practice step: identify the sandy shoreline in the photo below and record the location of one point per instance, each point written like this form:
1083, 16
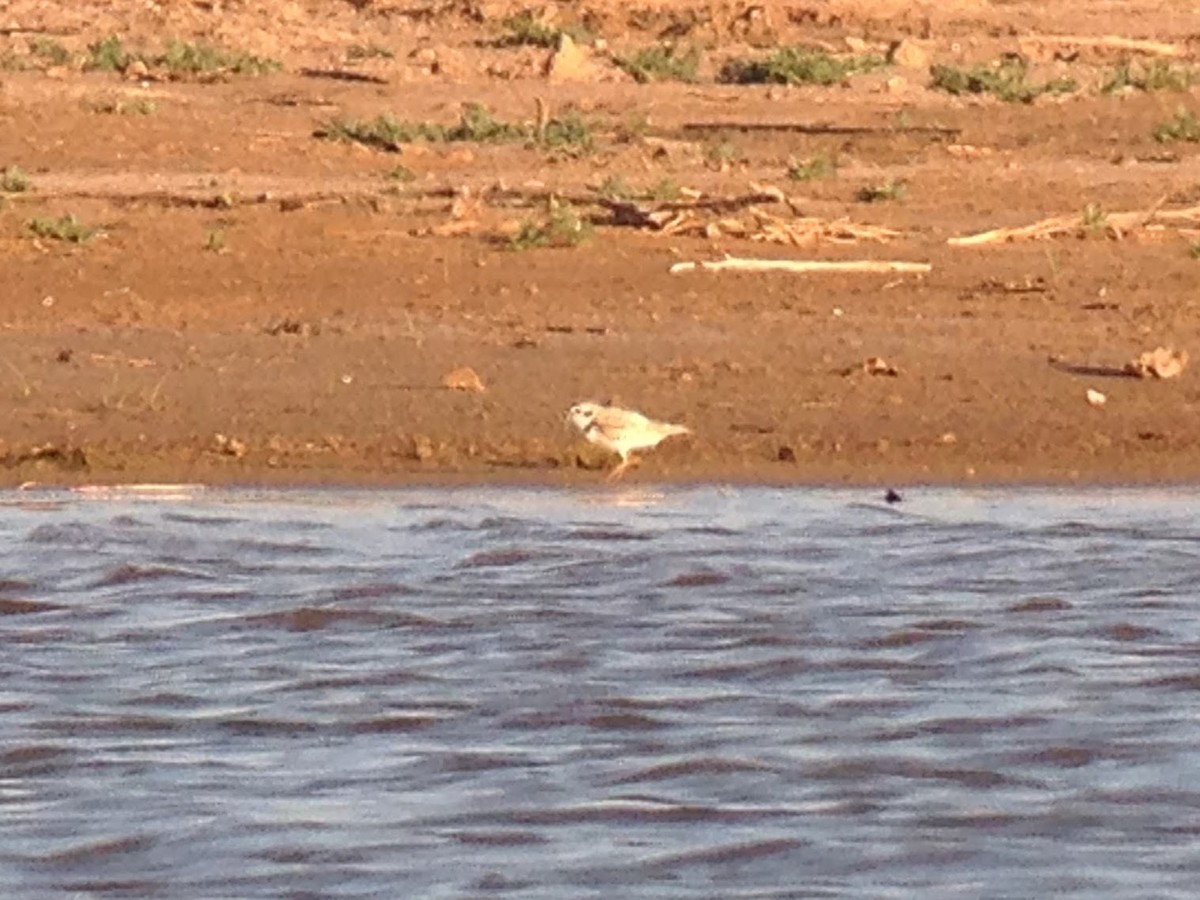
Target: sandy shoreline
261, 306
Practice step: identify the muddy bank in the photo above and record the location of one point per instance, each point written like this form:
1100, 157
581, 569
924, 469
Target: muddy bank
249, 300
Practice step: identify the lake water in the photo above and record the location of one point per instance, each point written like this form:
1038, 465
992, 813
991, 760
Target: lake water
623, 693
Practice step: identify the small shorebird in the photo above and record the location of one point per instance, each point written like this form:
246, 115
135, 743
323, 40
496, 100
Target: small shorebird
620, 430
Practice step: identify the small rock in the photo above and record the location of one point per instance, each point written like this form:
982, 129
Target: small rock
875, 365
422, 448
786, 454
1096, 398
230, 446
948, 438
1162, 362
137, 70
892, 496
463, 378
897, 84
908, 55
570, 62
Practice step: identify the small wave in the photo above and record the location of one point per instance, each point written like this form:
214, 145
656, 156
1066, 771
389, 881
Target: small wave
95, 851
1041, 604
705, 578
128, 573
315, 618
12, 606
68, 534
689, 768
498, 838
727, 854
497, 559
394, 724
371, 591
34, 760
608, 534
280, 548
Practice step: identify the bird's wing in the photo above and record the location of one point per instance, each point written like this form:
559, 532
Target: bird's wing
613, 420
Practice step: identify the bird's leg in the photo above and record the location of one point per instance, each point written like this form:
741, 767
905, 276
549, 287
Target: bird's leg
619, 470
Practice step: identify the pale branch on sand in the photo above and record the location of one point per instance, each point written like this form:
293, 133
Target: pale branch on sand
1115, 224
800, 266
1109, 42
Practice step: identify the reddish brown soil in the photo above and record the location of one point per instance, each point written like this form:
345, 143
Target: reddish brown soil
314, 331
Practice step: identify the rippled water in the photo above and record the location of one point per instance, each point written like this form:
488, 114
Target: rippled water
698, 693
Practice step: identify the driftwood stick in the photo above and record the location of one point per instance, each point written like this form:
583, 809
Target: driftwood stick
1117, 222
814, 128
737, 264
1111, 42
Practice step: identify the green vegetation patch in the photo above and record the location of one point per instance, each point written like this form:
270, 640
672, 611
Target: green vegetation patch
475, 125
820, 166
13, 181
1007, 80
892, 189
662, 63
51, 51
563, 227
797, 65
525, 29
1159, 75
68, 229
180, 59
1183, 126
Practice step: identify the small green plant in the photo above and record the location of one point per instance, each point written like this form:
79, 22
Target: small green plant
820, 166
360, 52
478, 125
527, 30
721, 152
107, 55
797, 65
1194, 249
68, 229
382, 133
140, 107
13, 181
401, 175
215, 241
1184, 126
12, 62
1159, 75
568, 132
892, 189
635, 127
1094, 219
664, 189
51, 51
615, 187
661, 63
183, 58
562, 228
1007, 80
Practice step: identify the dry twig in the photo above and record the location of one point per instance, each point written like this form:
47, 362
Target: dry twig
800, 266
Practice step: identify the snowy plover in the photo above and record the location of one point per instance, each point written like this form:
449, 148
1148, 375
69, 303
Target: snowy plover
620, 430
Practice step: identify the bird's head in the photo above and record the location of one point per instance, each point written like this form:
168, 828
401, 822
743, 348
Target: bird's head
581, 415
